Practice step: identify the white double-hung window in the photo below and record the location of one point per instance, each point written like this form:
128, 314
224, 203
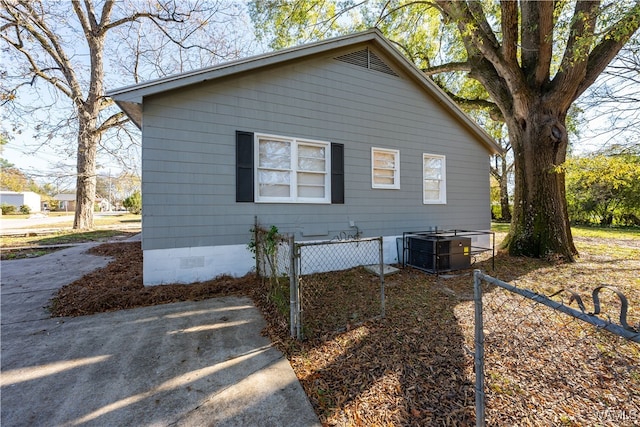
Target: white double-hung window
434, 187
385, 168
292, 170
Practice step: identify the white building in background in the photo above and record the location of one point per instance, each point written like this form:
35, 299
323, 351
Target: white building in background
25, 198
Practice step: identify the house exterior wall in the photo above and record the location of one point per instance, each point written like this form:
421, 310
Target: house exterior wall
188, 163
65, 202
28, 198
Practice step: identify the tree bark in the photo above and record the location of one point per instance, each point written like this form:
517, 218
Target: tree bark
540, 224
505, 208
89, 132
86, 168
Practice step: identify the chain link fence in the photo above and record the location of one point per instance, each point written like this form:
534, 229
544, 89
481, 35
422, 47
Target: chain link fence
544, 362
272, 252
336, 285
321, 287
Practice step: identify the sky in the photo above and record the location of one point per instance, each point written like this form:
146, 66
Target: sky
17, 151
44, 161
44, 164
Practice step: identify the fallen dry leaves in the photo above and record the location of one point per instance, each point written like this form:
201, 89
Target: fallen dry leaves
119, 286
415, 367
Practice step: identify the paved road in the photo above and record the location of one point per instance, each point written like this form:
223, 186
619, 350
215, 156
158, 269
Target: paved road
184, 364
35, 221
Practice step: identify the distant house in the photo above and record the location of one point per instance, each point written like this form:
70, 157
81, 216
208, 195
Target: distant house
66, 202
18, 199
103, 204
316, 140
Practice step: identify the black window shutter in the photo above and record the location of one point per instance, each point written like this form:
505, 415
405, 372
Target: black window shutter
337, 173
244, 166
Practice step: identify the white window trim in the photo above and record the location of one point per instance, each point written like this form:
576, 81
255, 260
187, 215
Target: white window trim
293, 184
443, 182
396, 171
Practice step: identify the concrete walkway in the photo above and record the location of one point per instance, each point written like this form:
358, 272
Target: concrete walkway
184, 364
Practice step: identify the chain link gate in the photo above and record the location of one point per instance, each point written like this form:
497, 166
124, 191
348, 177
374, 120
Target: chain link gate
336, 285
556, 364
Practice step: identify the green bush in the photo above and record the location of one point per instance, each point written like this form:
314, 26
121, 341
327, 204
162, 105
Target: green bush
7, 209
25, 209
133, 203
603, 189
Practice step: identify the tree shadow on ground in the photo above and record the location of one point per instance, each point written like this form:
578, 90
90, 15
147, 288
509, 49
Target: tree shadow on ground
413, 367
409, 368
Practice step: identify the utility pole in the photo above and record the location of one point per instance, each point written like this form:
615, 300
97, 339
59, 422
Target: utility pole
110, 205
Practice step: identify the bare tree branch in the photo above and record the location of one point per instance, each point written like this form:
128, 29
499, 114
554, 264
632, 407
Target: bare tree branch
115, 120
448, 67
36, 33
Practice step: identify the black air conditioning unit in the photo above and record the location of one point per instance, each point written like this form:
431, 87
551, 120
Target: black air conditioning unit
438, 253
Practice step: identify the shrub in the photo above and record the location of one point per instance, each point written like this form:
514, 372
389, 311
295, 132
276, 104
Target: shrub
133, 203
25, 209
7, 209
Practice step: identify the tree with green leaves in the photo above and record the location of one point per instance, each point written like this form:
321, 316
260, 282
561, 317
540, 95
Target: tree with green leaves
604, 187
501, 171
13, 179
62, 49
133, 203
532, 58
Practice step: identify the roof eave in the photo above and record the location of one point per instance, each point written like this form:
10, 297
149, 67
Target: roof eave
130, 98
133, 110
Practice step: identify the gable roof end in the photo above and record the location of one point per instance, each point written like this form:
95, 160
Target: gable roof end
130, 98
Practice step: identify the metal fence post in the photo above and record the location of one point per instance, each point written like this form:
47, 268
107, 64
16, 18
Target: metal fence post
293, 290
381, 266
479, 349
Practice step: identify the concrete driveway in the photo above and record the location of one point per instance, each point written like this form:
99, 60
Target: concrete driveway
184, 364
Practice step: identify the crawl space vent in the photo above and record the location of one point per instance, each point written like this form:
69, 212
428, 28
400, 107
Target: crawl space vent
367, 59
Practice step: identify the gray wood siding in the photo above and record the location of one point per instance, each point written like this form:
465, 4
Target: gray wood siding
188, 155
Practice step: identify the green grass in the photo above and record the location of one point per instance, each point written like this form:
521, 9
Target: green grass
109, 220
604, 249
500, 227
26, 253
61, 238
606, 232
584, 231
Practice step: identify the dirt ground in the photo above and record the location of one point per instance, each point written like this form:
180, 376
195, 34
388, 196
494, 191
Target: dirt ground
414, 367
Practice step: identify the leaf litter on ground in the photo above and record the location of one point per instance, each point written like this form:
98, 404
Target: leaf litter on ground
414, 367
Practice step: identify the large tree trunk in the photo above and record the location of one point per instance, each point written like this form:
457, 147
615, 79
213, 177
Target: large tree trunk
540, 224
89, 134
86, 167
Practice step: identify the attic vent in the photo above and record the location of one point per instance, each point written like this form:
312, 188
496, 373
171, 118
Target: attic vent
367, 59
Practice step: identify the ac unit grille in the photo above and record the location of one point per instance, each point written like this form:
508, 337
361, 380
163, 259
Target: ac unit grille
437, 254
